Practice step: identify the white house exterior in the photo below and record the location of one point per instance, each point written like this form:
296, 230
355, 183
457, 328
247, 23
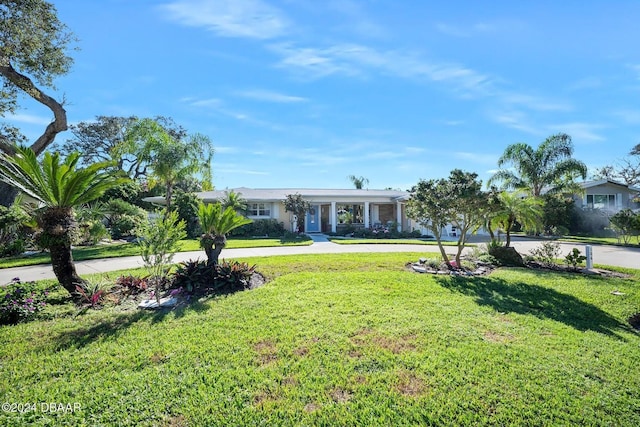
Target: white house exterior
607, 195
330, 208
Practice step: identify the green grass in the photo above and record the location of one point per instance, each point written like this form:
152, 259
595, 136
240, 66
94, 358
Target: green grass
590, 240
350, 339
131, 249
356, 241
600, 240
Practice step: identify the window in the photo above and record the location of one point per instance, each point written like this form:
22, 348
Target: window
601, 201
259, 209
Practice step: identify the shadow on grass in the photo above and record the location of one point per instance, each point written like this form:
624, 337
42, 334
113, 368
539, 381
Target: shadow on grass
544, 303
112, 327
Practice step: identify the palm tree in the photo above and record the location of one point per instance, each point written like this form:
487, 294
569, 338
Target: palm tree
234, 201
358, 181
59, 187
514, 208
216, 222
550, 167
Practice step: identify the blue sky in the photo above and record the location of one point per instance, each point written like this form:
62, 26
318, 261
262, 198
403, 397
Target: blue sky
303, 93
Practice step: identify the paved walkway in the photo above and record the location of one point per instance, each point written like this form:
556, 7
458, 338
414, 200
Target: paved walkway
602, 254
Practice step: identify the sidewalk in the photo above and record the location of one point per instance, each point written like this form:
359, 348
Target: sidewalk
602, 254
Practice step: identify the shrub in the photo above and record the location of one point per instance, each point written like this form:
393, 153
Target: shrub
226, 276
260, 227
132, 285
233, 275
625, 224
91, 294
13, 234
192, 275
124, 218
574, 258
20, 302
546, 253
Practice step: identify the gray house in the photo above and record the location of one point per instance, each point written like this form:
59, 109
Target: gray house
608, 195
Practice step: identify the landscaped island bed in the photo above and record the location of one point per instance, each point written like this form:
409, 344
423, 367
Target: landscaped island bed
342, 340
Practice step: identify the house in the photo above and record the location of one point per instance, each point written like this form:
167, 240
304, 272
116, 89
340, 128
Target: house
607, 195
331, 209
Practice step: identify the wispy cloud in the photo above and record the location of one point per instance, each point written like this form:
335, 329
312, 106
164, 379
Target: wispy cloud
586, 83
209, 102
514, 120
28, 119
534, 102
580, 132
358, 21
358, 60
230, 18
269, 96
629, 116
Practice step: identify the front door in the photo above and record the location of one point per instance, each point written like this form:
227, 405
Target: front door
313, 219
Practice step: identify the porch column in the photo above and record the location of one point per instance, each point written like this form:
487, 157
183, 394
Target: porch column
366, 215
333, 217
399, 215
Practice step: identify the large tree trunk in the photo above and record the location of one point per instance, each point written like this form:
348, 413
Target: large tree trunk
59, 123
64, 268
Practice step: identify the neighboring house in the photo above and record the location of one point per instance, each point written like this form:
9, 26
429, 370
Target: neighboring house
607, 195
331, 209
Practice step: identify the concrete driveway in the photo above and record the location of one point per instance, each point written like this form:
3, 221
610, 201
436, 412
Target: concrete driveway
602, 254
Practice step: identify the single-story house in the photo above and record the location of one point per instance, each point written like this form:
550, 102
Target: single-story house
331, 209
608, 195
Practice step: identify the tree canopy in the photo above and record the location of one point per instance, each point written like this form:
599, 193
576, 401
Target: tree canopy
169, 156
549, 167
457, 200
33, 52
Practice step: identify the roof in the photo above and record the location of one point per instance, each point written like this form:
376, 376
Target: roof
312, 194
590, 184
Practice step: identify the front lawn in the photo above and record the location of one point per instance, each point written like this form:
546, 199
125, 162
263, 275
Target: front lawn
353, 339
357, 241
131, 249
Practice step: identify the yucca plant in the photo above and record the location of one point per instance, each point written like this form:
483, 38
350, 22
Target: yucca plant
59, 186
216, 222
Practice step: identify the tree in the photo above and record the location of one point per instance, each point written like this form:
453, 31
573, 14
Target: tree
298, 206
216, 223
358, 181
526, 211
625, 224
549, 167
105, 138
170, 159
431, 206
59, 186
626, 170
458, 200
468, 201
33, 52
159, 243
234, 201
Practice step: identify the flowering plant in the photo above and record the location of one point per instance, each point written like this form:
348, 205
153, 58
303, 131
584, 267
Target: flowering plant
20, 301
